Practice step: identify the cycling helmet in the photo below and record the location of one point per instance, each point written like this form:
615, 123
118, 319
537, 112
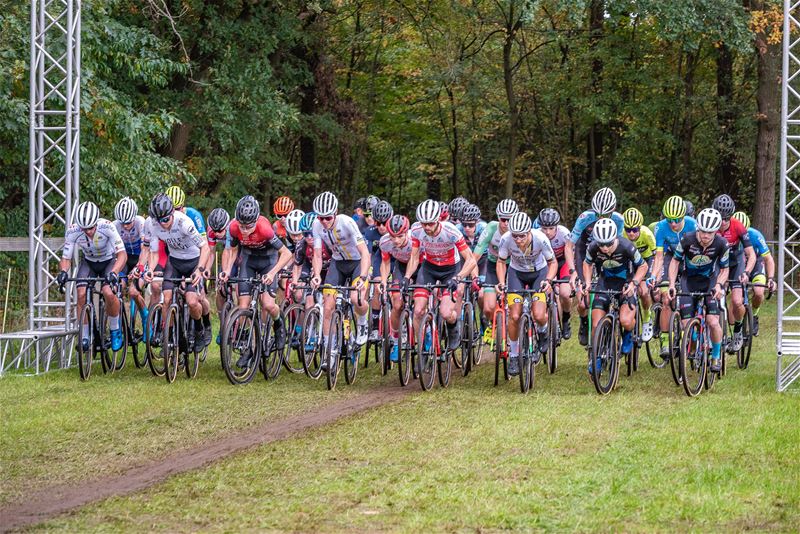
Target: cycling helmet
689, 208
605, 231
293, 220
724, 205
632, 218
176, 195
444, 211
126, 210
247, 210
709, 220
282, 206
674, 208
308, 221
370, 203
161, 206
218, 219
519, 223
383, 212
604, 201
87, 214
549, 217
470, 213
398, 225
742, 218
506, 208
359, 204
326, 204
456, 207
428, 211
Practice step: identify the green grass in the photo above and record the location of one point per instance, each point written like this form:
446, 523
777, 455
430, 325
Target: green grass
475, 457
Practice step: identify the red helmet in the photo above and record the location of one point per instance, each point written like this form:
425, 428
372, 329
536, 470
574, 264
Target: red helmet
282, 206
398, 225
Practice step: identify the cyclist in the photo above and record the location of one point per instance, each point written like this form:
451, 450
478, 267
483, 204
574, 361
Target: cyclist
253, 232
645, 242
366, 220
669, 230
472, 226
532, 264
699, 255
437, 248
455, 208
281, 208
395, 248
444, 212
350, 261
380, 214
549, 223
742, 262
619, 267
218, 221
129, 225
294, 233
689, 208
187, 255
104, 256
764, 271
604, 202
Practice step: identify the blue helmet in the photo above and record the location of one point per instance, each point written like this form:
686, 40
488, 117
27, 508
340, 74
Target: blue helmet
307, 221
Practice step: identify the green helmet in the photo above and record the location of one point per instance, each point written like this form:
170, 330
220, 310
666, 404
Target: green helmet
742, 218
632, 218
674, 208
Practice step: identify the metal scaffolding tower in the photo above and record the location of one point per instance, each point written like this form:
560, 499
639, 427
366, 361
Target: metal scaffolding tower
53, 183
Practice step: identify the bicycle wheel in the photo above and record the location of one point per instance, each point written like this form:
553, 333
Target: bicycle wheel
405, 359
653, 347
554, 336
85, 357
171, 341
693, 358
334, 347
500, 351
136, 336
122, 353
191, 357
605, 356
155, 357
675, 333
386, 338
444, 360
271, 357
239, 349
102, 338
311, 344
477, 345
467, 338
352, 352
727, 333
292, 354
526, 347
426, 351
743, 356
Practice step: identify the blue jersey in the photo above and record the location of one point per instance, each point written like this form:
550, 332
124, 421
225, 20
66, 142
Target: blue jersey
373, 238
757, 240
480, 226
582, 231
667, 240
197, 220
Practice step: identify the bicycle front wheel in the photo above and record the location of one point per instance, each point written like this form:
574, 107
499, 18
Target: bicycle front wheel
468, 338
605, 357
155, 347
653, 347
311, 344
334, 347
526, 347
171, 343
693, 358
675, 333
352, 352
292, 355
239, 349
500, 351
85, 357
405, 357
426, 352
136, 339
554, 336
743, 356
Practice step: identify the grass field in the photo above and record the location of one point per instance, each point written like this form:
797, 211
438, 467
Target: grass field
472, 457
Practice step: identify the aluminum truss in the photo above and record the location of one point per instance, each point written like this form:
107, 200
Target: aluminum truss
53, 183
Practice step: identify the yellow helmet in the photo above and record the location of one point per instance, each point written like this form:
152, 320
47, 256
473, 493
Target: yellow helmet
176, 195
632, 218
742, 218
674, 208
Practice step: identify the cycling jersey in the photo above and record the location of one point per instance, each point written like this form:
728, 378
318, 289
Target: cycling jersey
489, 241
197, 219
699, 261
667, 239
102, 246
182, 239
759, 243
389, 250
215, 238
735, 234
262, 241
646, 242
280, 228
533, 258
582, 231
442, 249
131, 238
619, 264
342, 239
472, 242
559, 242
304, 253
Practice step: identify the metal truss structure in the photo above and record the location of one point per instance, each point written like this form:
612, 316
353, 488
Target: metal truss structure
53, 183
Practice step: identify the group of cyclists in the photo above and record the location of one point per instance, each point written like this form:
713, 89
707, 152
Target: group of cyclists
607, 255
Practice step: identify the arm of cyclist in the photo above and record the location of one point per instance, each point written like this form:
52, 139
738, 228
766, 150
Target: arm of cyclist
366, 262
658, 263
469, 260
199, 273
719, 288
552, 271
750, 264
501, 270
569, 257
284, 257
672, 274
386, 265
228, 257
769, 264
413, 262
587, 278
638, 276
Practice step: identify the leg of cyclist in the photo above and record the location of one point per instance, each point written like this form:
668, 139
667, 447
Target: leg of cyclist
736, 312
514, 314
84, 327
451, 312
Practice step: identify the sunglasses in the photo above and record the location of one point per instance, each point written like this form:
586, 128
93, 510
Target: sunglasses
605, 245
377, 223
631, 229
726, 219
326, 218
166, 219
503, 219
307, 234
674, 221
518, 237
468, 225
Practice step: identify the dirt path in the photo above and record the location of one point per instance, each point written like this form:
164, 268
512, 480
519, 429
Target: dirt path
50, 502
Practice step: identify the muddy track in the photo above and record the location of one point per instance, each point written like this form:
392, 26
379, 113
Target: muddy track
53, 501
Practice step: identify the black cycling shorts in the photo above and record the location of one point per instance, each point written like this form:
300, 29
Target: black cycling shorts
340, 272
603, 301
89, 269
696, 284
178, 268
255, 265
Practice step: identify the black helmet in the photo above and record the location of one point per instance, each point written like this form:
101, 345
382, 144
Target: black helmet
218, 219
549, 217
359, 204
724, 205
382, 212
247, 210
370, 203
689, 208
470, 213
456, 207
161, 206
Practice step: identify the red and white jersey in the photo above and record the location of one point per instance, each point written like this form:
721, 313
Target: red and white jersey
559, 241
443, 248
389, 250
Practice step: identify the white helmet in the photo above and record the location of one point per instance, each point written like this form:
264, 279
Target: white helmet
429, 211
709, 220
87, 214
126, 210
293, 221
326, 204
604, 201
605, 230
506, 208
519, 223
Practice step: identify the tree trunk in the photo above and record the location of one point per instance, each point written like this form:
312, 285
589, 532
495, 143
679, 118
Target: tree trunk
594, 141
513, 113
687, 128
726, 121
455, 147
178, 141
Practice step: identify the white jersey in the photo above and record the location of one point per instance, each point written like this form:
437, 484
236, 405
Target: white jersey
131, 238
390, 250
102, 246
442, 249
182, 239
534, 257
342, 239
